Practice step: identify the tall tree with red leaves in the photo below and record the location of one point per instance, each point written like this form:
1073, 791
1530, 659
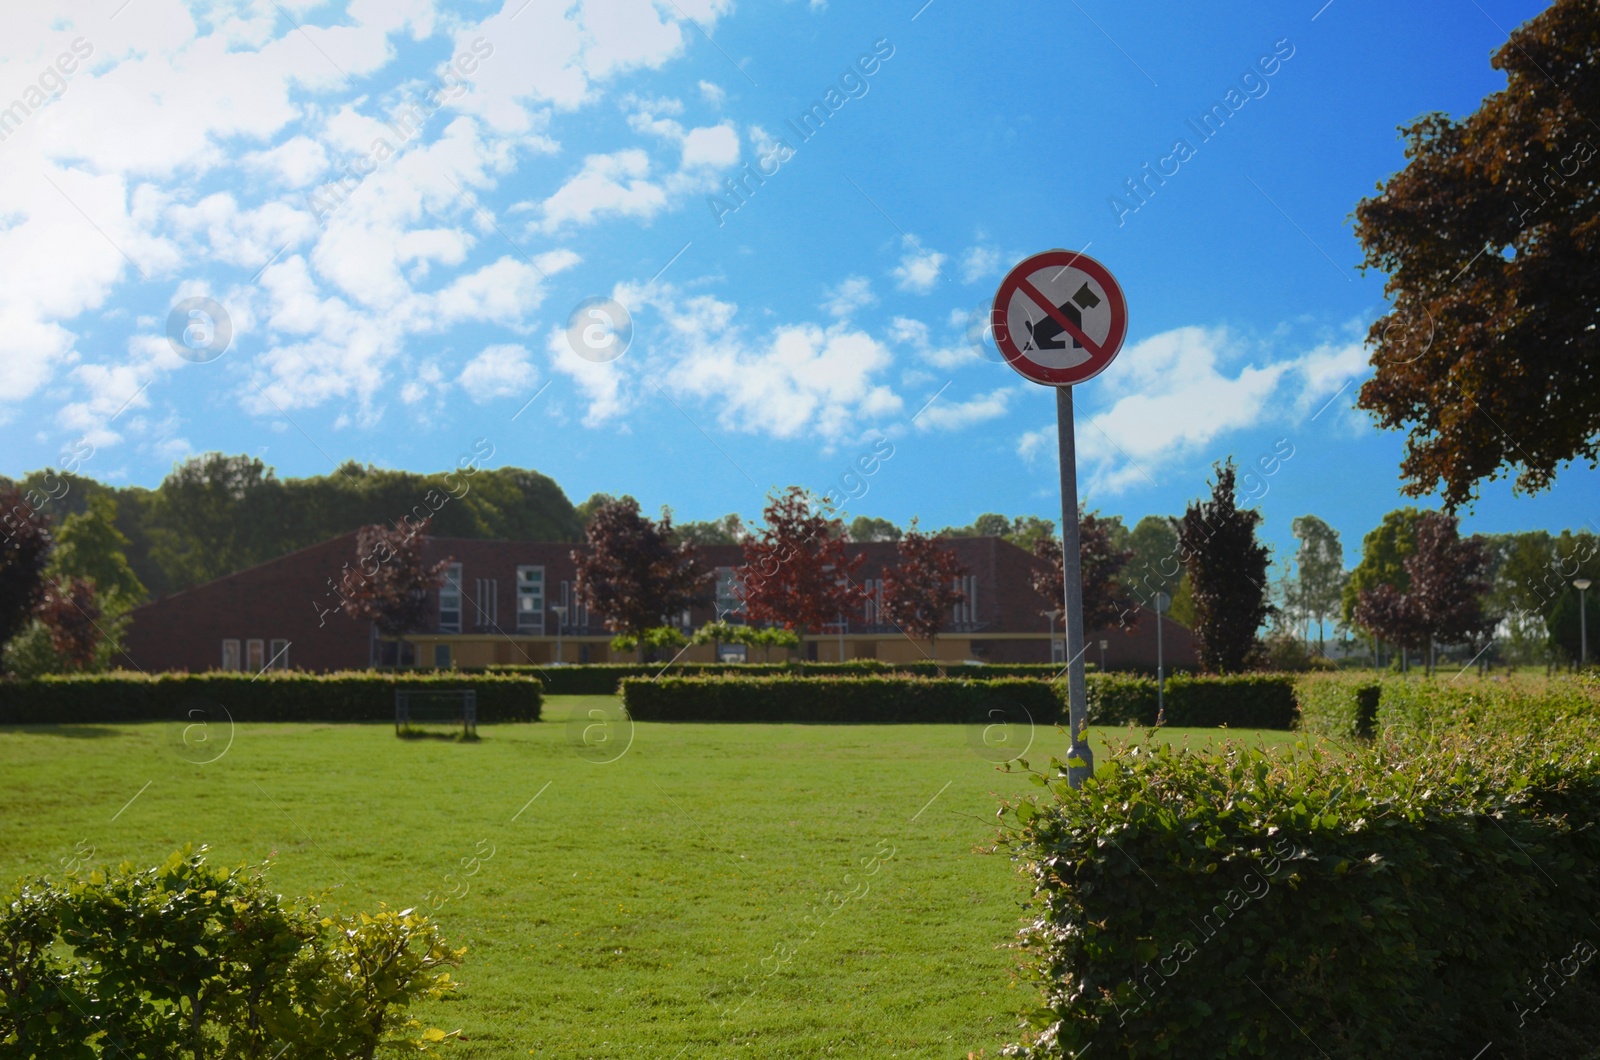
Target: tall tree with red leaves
1101, 564
71, 611
24, 550
635, 572
796, 573
391, 582
920, 592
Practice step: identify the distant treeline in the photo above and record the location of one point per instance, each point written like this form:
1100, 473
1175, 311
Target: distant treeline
216, 514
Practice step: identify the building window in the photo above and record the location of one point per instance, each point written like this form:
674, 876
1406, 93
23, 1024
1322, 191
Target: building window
255, 656
729, 593
230, 655
487, 594
441, 656
872, 606
279, 659
966, 612
577, 613
530, 599
450, 600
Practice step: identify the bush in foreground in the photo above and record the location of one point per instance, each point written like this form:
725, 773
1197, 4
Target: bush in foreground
1420, 897
188, 960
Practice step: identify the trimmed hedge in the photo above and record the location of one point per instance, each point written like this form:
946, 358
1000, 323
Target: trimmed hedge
1247, 701
1347, 705
605, 679
1420, 897
273, 696
842, 700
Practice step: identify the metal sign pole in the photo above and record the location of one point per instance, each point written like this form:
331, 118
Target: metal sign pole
1080, 761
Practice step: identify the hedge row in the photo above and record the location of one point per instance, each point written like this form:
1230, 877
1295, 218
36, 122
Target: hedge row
1419, 896
1248, 701
605, 679
1367, 704
273, 696
843, 700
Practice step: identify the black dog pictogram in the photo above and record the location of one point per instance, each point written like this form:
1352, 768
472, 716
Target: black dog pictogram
1048, 334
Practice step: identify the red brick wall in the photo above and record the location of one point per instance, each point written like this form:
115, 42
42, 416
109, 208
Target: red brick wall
291, 598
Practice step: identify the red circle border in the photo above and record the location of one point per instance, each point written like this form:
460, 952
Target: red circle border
1034, 371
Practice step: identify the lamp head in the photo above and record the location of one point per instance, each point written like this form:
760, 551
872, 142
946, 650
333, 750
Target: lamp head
1582, 583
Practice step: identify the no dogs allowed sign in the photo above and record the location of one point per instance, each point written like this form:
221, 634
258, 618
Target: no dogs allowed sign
1059, 318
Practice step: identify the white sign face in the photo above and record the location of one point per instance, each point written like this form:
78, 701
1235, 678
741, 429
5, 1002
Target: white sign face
1060, 318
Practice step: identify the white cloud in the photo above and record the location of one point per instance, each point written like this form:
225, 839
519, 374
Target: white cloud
716, 146
1178, 394
497, 372
713, 94
944, 415
1034, 444
790, 380
601, 383
851, 294
979, 262
919, 268
298, 162
914, 333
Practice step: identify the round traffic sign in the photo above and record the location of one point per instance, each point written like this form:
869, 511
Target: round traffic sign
1059, 318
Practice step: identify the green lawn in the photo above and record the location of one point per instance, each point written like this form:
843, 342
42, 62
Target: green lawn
717, 891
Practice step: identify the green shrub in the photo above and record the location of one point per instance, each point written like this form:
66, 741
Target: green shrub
605, 679
1245, 701
187, 960
1418, 897
1364, 704
840, 700
273, 696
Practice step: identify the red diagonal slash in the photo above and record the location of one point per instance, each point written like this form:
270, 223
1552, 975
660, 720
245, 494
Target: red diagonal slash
1026, 287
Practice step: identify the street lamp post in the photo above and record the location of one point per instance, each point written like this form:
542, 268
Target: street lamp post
1162, 602
1104, 644
561, 620
1582, 585
1052, 616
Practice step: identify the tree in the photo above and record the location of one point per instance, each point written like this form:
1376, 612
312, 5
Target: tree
1392, 615
1520, 565
1227, 568
1490, 358
214, 515
1566, 625
651, 641
729, 530
1022, 530
1100, 562
1442, 601
24, 550
391, 581
634, 571
1383, 555
1318, 587
920, 591
796, 572
89, 545
637, 572
1156, 561
771, 637
1449, 580
866, 528
72, 615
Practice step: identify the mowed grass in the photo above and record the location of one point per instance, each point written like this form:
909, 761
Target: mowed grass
717, 891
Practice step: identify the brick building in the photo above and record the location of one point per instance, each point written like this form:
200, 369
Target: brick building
514, 602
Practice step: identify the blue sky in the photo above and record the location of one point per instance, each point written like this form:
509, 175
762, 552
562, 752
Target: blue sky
581, 149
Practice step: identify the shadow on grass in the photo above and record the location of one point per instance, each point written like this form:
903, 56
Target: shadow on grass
71, 732
440, 737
